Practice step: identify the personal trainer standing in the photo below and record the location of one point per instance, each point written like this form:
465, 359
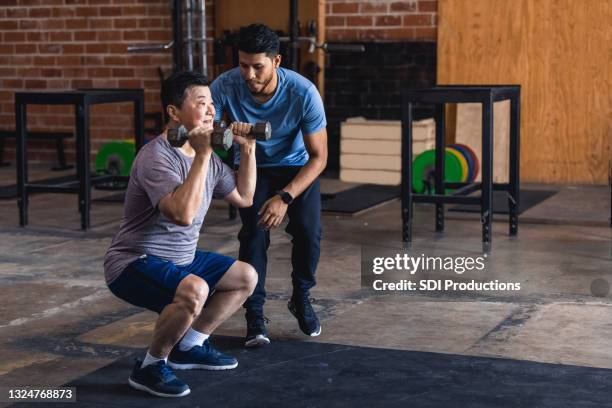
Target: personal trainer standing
288, 166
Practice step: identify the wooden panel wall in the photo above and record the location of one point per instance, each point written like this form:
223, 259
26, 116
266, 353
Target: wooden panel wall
560, 52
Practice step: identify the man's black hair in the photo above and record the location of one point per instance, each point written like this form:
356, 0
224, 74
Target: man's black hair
173, 90
258, 38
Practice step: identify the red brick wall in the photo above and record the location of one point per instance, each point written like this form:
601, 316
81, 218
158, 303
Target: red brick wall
381, 20
68, 44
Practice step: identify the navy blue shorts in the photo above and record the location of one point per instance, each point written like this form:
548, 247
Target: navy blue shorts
151, 282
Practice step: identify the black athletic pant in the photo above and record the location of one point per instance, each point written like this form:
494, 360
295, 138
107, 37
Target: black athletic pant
304, 227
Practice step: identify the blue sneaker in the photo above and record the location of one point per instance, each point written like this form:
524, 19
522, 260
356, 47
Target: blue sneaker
157, 379
300, 307
204, 357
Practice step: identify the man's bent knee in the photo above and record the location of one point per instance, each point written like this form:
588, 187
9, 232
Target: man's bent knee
191, 294
246, 277
251, 277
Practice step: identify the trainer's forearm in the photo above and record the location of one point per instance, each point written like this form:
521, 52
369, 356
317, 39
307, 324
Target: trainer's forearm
246, 178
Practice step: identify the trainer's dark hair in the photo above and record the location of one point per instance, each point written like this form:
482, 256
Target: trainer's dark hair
258, 38
173, 88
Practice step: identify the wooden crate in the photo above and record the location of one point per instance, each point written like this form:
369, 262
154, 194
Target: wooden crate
370, 150
469, 132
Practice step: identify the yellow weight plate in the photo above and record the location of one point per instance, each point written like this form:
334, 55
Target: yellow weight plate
464, 164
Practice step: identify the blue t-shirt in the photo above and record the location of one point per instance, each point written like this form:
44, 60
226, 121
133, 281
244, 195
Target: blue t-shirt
294, 111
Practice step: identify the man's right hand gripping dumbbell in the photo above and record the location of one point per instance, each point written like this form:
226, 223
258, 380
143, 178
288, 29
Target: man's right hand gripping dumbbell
222, 136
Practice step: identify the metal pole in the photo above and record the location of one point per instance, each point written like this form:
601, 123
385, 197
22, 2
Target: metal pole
189, 5
177, 34
487, 171
406, 177
22, 159
440, 153
515, 159
202, 42
293, 35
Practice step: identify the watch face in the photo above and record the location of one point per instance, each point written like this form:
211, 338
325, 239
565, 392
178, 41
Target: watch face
286, 197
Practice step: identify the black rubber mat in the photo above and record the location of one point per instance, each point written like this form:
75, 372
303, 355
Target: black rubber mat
528, 199
9, 192
295, 374
358, 198
348, 201
362, 197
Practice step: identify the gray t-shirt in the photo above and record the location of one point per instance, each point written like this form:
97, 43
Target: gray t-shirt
158, 170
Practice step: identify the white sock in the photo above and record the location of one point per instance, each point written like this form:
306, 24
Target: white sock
192, 338
149, 359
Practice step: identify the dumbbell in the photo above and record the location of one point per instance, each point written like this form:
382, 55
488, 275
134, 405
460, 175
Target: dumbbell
261, 131
221, 137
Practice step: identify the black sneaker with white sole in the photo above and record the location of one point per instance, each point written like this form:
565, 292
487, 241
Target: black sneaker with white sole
300, 307
257, 335
157, 379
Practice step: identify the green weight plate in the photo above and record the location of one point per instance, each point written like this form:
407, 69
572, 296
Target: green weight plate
474, 159
423, 167
222, 153
463, 161
115, 158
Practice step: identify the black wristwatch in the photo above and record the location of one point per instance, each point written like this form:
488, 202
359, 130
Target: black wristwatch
285, 196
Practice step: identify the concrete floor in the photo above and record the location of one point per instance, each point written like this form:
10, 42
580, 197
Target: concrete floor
59, 321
